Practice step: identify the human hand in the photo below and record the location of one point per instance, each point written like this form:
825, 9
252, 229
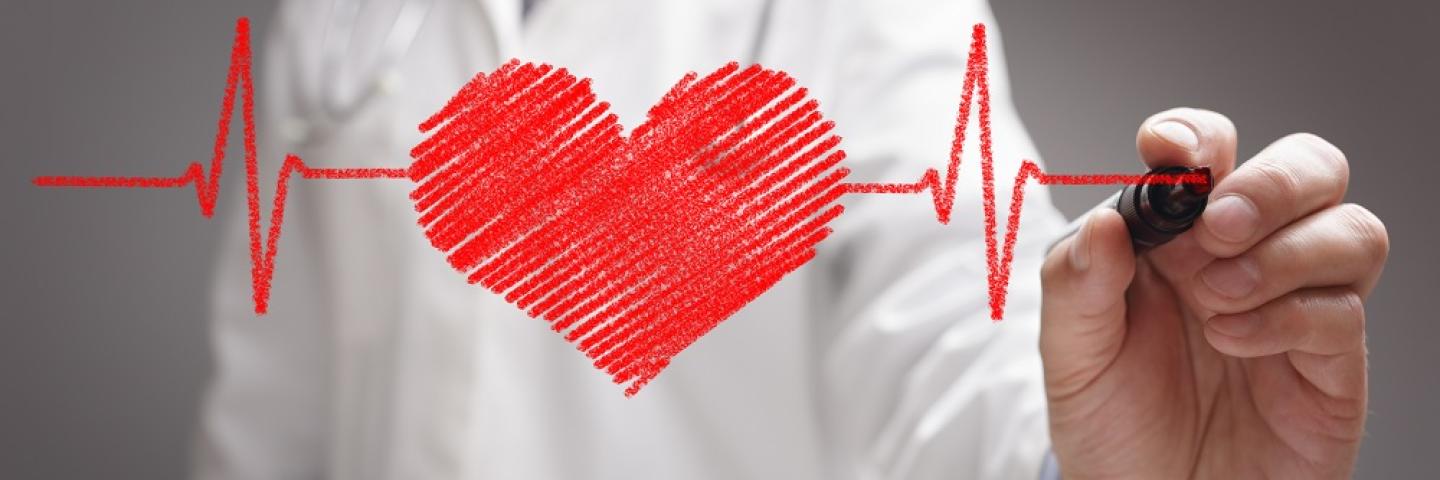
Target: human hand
1237, 350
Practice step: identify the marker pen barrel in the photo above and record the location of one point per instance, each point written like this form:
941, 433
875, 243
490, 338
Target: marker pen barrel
1155, 213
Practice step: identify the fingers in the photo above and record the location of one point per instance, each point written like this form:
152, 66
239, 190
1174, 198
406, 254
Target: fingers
1344, 245
1083, 307
1323, 321
1291, 178
1188, 137
1322, 330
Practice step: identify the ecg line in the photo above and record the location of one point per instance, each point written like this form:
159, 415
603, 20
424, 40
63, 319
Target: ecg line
207, 188
942, 189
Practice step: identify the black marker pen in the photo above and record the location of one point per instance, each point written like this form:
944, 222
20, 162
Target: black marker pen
1155, 212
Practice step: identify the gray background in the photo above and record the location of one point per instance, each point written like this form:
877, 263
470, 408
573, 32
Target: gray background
103, 348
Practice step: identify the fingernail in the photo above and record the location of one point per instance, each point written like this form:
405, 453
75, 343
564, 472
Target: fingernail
1233, 278
1177, 133
1232, 218
1240, 326
1080, 251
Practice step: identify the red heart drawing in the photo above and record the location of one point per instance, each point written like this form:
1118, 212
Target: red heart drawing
632, 247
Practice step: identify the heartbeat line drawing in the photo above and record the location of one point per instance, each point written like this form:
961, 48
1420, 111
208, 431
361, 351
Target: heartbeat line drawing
631, 247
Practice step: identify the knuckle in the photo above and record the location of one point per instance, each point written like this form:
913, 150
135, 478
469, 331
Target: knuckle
1368, 230
1320, 146
1352, 305
1275, 178
1352, 311
1338, 315
1325, 155
1289, 246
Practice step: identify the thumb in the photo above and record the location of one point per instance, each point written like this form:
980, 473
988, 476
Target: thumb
1082, 315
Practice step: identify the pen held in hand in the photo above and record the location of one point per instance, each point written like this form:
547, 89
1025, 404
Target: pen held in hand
1155, 212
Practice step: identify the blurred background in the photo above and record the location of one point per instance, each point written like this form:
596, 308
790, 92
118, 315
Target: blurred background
103, 339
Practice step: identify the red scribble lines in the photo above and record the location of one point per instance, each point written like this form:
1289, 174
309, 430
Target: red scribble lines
943, 191
633, 248
207, 188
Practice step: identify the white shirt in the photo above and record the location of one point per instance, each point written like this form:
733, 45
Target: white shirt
875, 360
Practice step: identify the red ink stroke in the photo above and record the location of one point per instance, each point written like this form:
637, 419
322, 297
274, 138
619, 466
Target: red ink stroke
943, 192
632, 247
207, 187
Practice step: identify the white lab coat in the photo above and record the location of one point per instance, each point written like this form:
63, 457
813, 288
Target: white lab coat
876, 360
